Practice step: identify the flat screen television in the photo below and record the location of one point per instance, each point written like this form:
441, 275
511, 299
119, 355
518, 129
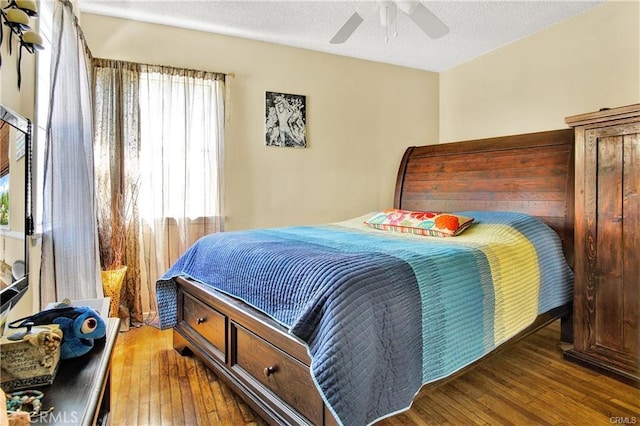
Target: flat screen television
9, 296
15, 209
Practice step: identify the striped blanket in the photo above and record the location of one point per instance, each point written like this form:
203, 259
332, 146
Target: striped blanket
383, 313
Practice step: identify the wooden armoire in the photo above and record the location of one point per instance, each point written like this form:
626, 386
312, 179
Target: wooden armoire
607, 242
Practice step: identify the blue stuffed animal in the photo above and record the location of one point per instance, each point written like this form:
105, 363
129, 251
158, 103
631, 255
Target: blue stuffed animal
80, 327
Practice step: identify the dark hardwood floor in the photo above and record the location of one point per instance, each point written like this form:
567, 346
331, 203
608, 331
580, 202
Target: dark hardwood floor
528, 384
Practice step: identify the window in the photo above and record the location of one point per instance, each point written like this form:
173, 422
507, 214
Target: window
178, 148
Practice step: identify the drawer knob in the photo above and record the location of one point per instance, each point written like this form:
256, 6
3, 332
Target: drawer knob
201, 320
270, 370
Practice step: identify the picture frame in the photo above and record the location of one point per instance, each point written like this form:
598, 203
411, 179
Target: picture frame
285, 120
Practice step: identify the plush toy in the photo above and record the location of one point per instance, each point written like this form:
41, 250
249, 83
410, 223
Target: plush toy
80, 327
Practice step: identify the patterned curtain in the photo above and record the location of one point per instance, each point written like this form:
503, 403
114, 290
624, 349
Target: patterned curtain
69, 266
116, 153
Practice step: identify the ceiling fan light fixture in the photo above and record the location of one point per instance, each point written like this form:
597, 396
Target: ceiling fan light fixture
388, 12
426, 20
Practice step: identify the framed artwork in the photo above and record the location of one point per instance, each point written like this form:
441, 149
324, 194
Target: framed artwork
285, 120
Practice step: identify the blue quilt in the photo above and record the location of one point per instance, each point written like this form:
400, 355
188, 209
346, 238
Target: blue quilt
384, 313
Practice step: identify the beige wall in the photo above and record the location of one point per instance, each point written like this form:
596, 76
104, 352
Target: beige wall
580, 65
360, 118
20, 101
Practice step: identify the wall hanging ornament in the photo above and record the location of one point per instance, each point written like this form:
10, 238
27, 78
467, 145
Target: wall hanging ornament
15, 17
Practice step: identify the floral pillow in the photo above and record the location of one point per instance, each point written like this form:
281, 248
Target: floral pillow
434, 224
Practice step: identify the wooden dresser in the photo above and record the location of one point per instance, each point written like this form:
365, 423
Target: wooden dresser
607, 244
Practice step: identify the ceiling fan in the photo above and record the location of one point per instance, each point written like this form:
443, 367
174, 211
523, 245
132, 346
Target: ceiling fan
388, 9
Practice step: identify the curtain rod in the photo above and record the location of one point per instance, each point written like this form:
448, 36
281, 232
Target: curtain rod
102, 61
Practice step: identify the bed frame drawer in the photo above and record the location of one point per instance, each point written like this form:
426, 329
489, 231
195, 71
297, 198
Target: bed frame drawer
282, 374
238, 345
205, 321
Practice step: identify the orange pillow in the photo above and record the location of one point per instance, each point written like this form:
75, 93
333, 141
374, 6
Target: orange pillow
434, 224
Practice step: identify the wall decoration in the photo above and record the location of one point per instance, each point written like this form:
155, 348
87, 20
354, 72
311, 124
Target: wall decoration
285, 120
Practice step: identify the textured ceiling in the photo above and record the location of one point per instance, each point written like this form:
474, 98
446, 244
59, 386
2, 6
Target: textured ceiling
476, 27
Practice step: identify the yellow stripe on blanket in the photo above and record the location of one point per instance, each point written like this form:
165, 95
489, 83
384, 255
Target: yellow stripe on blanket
515, 273
514, 270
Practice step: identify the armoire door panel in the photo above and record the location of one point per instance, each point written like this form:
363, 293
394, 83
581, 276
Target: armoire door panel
608, 267
631, 244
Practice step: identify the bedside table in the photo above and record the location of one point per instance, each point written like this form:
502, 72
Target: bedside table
80, 393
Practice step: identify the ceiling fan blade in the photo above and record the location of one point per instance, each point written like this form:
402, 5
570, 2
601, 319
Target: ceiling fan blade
347, 29
428, 22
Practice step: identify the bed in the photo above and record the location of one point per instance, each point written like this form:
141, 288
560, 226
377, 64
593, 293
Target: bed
378, 316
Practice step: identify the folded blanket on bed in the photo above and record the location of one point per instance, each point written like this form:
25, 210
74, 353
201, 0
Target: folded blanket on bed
383, 313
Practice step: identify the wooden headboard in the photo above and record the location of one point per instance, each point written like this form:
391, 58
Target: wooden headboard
530, 173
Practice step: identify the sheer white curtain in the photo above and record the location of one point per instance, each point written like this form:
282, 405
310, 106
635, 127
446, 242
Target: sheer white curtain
181, 160
70, 266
